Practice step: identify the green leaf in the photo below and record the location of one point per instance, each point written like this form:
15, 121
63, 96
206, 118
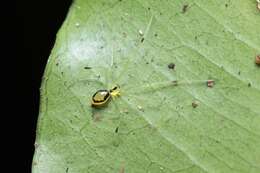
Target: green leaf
151, 128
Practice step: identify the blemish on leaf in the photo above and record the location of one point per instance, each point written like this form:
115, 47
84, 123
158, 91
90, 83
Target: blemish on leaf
142, 40
155, 34
67, 170
149, 8
140, 108
239, 72
87, 67
174, 82
249, 84
210, 83
57, 64
226, 5
257, 59
116, 130
171, 66
195, 104
185, 8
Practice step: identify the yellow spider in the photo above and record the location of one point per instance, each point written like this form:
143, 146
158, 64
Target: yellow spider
101, 97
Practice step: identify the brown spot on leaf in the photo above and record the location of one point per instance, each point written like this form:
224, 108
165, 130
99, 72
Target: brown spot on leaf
194, 104
210, 83
171, 66
185, 8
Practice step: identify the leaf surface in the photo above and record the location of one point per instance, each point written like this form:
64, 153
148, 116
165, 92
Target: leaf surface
153, 128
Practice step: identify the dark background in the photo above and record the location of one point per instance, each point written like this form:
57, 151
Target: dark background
39, 22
